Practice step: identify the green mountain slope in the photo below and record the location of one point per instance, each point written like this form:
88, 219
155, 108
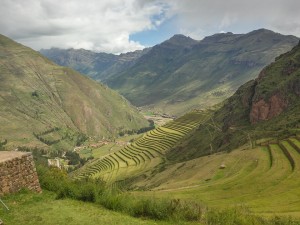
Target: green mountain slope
181, 74
43, 104
259, 126
267, 107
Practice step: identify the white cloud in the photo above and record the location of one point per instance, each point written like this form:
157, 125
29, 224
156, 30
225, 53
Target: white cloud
107, 24
205, 17
96, 25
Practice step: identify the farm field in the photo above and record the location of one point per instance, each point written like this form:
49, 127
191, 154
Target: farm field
264, 179
107, 147
144, 154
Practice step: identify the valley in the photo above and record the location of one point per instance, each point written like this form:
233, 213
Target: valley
226, 161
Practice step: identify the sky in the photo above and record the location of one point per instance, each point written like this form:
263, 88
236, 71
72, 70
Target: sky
118, 26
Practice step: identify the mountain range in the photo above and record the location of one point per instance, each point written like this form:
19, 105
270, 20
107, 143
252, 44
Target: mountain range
98, 66
181, 73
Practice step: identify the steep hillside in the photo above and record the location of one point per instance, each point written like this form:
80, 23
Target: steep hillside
265, 107
42, 104
98, 66
180, 73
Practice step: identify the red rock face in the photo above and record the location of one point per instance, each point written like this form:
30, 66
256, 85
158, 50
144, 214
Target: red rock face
262, 110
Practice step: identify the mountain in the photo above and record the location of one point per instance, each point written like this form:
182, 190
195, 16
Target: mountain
181, 74
98, 66
43, 104
267, 107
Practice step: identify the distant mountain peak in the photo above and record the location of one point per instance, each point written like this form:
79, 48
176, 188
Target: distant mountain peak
218, 36
262, 30
180, 39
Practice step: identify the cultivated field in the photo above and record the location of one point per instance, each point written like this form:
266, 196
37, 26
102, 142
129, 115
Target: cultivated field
145, 153
265, 179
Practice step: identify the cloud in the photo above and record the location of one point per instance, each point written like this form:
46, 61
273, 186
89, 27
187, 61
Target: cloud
205, 17
96, 25
106, 25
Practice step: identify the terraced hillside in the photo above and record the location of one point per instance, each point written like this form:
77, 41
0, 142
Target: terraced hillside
265, 179
145, 153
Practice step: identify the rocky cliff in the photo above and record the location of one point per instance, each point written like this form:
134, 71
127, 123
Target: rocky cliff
277, 87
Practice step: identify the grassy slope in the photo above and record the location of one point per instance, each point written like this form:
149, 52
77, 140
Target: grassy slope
37, 95
43, 209
263, 178
248, 179
176, 78
230, 126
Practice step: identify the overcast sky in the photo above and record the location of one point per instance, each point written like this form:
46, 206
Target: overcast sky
125, 25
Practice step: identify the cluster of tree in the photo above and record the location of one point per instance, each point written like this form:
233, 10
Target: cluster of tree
45, 141
74, 158
48, 131
38, 153
139, 131
2, 143
35, 94
40, 137
80, 139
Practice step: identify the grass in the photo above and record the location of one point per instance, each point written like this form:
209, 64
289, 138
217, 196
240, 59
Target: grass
61, 208
44, 209
249, 179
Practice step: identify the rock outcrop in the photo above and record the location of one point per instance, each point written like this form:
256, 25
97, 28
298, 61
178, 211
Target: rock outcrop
265, 110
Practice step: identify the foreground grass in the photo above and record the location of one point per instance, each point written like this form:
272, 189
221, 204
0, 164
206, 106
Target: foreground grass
93, 202
44, 209
28, 208
249, 179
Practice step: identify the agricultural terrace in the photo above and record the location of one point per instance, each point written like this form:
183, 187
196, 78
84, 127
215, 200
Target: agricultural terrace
264, 179
146, 152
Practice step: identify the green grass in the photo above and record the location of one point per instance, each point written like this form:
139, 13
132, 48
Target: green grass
45, 209
249, 179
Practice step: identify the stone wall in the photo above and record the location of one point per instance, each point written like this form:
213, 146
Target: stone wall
17, 171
